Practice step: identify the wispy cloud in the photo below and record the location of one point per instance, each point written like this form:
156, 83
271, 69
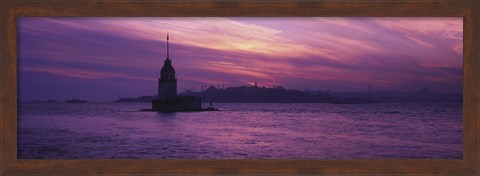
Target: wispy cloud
83, 74
315, 53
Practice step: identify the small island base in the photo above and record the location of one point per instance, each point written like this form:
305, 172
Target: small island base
180, 110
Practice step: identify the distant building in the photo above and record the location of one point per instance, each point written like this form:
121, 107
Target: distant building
167, 91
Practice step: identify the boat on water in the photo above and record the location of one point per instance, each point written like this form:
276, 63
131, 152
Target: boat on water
76, 101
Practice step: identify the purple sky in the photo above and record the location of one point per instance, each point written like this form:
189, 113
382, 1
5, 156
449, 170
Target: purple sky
100, 58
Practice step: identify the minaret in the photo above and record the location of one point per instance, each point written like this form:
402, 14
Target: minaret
167, 83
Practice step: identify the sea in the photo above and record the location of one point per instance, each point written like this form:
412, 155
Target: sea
319, 131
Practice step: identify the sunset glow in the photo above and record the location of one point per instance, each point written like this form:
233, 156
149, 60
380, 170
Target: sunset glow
100, 58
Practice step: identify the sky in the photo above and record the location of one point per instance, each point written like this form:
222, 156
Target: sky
100, 59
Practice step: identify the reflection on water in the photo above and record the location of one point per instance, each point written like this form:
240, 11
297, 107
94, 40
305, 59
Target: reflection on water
241, 131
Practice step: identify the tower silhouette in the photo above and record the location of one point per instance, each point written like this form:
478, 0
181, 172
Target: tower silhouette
168, 101
167, 83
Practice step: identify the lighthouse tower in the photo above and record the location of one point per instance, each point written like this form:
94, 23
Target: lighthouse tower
168, 101
167, 83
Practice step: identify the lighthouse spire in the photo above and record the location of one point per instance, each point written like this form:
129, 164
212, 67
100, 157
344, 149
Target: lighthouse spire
168, 54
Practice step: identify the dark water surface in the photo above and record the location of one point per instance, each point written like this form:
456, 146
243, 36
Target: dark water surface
241, 131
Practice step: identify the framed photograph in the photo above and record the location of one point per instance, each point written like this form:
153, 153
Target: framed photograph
240, 87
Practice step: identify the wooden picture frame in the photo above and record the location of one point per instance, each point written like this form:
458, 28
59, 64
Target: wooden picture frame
11, 10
